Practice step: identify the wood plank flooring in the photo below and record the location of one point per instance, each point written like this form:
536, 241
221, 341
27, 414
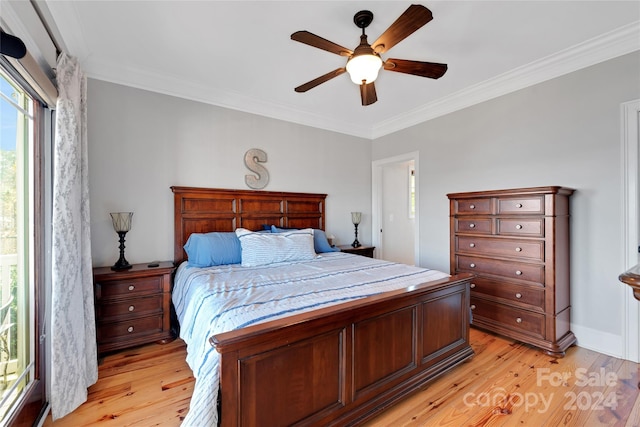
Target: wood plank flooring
506, 383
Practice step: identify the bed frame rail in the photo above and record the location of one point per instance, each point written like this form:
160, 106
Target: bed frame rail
343, 364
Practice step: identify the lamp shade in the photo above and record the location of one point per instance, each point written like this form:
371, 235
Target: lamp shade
121, 221
364, 68
356, 217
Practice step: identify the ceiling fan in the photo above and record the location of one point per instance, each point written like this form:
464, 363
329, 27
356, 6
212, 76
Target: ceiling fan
364, 61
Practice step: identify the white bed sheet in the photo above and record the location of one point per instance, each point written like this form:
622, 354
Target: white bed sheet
212, 300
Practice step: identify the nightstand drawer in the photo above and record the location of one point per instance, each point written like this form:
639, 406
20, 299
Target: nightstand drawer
133, 307
130, 328
523, 321
130, 287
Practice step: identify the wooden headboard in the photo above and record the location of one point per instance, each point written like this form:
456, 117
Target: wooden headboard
203, 210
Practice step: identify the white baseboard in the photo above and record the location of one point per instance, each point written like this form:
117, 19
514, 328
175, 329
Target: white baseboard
602, 342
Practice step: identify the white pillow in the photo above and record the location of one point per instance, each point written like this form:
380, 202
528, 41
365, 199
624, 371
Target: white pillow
267, 248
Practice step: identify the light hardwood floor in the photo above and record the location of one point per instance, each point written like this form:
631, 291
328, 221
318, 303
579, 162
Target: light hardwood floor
506, 383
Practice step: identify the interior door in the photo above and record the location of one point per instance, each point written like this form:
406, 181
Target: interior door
397, 216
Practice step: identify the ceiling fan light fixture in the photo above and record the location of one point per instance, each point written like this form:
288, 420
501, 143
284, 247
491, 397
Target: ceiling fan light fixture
364, 68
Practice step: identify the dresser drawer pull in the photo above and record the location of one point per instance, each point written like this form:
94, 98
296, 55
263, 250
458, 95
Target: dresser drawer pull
472, 206
473, 306
518, 319
131, 308
518, 249
518, 295
518, 273
131, 287
472, 245
473, 285
472, 265
518, 205
472, 225
130, 329
518, 227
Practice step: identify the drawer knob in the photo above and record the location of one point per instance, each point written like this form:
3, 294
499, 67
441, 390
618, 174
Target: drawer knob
518, 273
131, 287
473, 306
518, 227
518, 249
131, 308
472, 265
518, 319
473, 285
472, 245
472, 225
130, 329
518, 205
518, 295
472, 206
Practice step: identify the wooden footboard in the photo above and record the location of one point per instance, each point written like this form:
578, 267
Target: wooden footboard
343, 364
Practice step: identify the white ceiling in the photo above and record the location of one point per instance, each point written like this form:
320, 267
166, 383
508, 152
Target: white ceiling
238, 54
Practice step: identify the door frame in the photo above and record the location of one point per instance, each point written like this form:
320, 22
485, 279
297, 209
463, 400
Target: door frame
630, 141
377, 201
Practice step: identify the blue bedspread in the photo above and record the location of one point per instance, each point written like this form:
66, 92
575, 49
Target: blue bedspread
218, 299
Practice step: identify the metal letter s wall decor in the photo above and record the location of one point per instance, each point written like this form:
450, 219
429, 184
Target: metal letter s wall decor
252, 160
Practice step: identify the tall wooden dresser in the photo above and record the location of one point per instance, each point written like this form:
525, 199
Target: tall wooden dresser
517, 243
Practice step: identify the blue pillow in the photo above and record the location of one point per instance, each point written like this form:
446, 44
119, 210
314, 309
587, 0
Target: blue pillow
320, 242
216, 248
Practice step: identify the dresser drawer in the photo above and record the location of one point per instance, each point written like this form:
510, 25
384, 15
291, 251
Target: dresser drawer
133, 307
129, 328
473, 206
521, 205
131, 287
532, 297
531, 227
523, 249
522, 321
533, 273
476, 225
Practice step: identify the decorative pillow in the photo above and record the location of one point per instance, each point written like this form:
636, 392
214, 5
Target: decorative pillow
320, 242
267, 248
216, 248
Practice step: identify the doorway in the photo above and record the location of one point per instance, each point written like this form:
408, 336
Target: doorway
395, 208
630, 113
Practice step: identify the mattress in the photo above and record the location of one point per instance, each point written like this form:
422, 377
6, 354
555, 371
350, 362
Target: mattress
218, 299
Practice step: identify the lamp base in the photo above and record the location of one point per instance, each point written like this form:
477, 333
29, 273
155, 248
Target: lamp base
356, 244
121, 266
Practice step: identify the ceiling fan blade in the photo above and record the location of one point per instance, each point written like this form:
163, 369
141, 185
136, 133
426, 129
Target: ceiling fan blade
432, 70
315, 82
413, 18
316, 41
368, 93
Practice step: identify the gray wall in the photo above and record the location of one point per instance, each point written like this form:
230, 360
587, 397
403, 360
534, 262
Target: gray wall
141, 143
562, 132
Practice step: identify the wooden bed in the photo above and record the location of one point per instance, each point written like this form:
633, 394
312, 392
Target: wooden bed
335, 366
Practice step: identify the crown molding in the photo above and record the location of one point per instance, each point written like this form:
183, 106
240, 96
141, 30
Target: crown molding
607, 46
610, 45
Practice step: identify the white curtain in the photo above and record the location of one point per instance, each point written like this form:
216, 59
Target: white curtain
74, 365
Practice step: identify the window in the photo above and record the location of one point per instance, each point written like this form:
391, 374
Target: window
18, 293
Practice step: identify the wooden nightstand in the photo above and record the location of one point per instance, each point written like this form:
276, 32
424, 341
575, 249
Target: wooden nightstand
360, 250
133, 306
